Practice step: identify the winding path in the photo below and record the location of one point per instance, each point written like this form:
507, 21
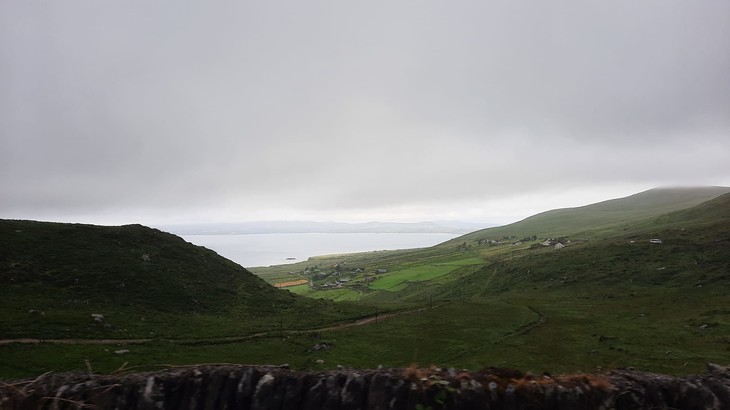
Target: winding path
529, 327
541, 320
226, 339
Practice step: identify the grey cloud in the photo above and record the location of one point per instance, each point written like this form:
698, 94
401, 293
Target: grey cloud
331, 105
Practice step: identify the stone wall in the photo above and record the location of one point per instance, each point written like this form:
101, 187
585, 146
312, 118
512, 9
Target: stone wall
239, 387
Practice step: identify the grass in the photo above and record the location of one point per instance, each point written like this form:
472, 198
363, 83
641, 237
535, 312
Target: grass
660, 331
600, 219
299, 289
364, 282
609, 299
427, 337
399, 280
342, 294
145, 283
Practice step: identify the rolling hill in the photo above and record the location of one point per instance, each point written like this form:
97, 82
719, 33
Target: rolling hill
694, 253
414, 274
140, 279
610, 298
127, 265
603, 217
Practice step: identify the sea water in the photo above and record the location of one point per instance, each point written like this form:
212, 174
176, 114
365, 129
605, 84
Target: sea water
250, 250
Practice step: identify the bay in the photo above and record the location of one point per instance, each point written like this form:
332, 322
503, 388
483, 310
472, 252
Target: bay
250, 250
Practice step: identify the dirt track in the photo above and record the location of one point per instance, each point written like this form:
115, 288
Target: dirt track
226, 339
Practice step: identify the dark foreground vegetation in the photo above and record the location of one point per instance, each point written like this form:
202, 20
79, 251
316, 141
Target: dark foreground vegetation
238, 387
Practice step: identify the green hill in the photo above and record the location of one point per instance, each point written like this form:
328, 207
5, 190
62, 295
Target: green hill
693, 253
609, 298
415, 274
710, 215
603, 217
126, 265
143, 281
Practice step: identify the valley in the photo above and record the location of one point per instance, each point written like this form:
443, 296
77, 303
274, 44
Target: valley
506, 296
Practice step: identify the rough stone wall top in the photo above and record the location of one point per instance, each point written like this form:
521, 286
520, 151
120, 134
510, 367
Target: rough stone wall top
241, 387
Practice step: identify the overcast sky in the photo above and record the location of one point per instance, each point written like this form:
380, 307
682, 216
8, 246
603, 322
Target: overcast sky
179, 111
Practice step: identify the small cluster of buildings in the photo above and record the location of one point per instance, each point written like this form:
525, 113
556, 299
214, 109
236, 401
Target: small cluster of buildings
556, 243
335, 284
338, 278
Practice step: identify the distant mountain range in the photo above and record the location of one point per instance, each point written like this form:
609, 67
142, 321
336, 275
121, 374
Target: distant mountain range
264, 227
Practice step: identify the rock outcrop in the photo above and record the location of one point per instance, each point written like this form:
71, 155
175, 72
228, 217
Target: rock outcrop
239, 387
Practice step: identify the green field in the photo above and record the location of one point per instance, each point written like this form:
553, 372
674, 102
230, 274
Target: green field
338, 294
400, 279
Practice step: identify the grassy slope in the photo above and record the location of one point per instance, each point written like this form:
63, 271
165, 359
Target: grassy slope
694, 253
591, 222
144, 281
620, 300
611, 300
600, 218
604, 302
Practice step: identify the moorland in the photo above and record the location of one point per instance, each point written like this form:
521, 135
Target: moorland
639, 282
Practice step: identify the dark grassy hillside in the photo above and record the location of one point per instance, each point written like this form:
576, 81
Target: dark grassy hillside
610, 301
144, 281
710, 216
601, 218
610, 298
127, 265
695, 252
